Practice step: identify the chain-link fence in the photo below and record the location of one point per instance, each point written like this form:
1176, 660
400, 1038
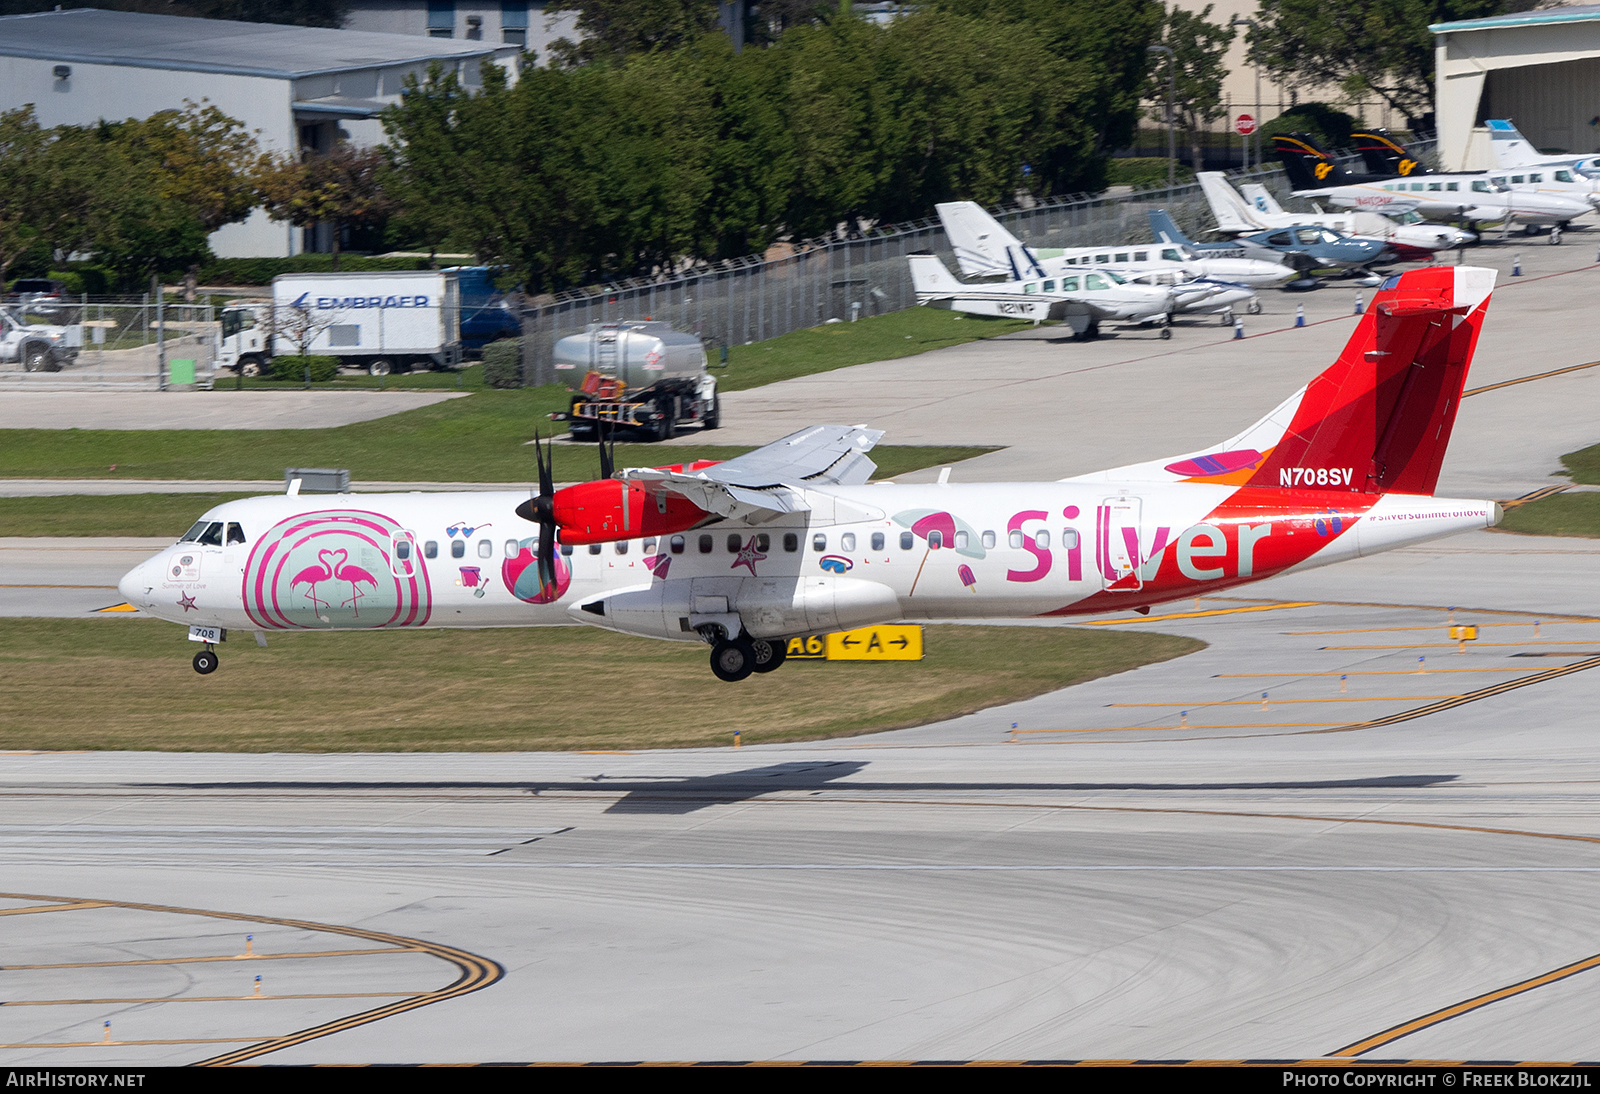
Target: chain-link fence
107, 343
819, 281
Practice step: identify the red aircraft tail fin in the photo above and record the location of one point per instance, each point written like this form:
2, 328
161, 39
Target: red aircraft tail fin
1379, 419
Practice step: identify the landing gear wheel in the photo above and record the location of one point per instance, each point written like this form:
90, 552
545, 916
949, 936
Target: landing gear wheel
380, 367
1530, 230
1166, 332
1555, 236
733, 661
1254, 307
205, 662
768, 655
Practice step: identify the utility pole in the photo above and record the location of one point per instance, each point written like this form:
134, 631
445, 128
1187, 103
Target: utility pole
1241, 21
1172, 137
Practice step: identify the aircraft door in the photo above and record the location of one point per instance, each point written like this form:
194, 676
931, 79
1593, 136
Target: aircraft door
403, 554
1117, 544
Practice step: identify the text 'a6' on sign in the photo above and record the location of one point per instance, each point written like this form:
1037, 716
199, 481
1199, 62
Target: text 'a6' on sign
1244, 124
889, 642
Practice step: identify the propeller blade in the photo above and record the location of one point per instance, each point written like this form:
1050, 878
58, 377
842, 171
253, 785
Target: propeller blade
608, 450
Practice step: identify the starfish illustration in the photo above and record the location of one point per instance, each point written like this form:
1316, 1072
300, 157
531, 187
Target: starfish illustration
748, 556
185, 601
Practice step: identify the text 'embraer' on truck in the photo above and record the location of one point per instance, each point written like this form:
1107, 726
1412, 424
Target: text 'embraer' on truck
381, 322
638, 374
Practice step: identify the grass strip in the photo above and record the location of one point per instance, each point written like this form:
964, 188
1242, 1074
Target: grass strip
840, 345
1557, 515
127, 684
1584, 465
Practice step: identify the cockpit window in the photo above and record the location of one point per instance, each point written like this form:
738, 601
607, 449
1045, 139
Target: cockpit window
235, 534
212, 536
196, 532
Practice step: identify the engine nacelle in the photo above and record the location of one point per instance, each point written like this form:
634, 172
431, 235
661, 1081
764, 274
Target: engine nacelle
610, 509
782, 607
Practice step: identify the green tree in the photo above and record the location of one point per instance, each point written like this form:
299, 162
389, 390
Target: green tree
1377, 46
618, 29
205, 160
23, 176
342, 188
1198, 47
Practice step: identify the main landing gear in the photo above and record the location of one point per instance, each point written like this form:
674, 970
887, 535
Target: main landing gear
733, 660
206, 661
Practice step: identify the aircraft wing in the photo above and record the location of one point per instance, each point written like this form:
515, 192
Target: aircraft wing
767, 482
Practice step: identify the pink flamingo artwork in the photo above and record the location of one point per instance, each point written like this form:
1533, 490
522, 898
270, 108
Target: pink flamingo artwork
314, 574
355, 575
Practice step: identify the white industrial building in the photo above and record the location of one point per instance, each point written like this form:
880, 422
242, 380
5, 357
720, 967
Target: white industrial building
297, 88
520, 23
1540, 69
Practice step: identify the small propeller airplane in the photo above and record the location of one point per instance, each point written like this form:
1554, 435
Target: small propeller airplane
1409, 236
1463, 196
792, 539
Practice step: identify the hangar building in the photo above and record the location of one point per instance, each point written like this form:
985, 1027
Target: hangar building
1540, 69
298, 88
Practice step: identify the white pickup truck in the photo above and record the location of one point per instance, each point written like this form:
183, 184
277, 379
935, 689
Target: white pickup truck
36, 348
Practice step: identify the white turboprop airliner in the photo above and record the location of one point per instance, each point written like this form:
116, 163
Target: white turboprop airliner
984, 248
791, 539
1408, 235
1511, 149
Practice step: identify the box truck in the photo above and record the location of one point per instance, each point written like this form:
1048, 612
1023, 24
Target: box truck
379, 322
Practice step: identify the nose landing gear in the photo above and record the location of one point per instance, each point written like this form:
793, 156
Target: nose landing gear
206, 661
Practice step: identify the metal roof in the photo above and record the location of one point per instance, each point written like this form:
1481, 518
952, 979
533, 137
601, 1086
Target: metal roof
92, 37
1578, 14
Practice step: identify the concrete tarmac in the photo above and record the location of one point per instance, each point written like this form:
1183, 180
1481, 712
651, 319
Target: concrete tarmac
1379, 858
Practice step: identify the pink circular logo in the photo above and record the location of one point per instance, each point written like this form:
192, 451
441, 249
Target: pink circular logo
336, 568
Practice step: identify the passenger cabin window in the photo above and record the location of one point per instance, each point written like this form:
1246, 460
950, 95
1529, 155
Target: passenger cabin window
961, 541
847, 542
402, 549
763, 541
675, 545
791, 542
1015, 540
1094, 281
1049, 286
235, 534
1123, 257
935, 539
877, 541
458, 548
1041, 539
1030, 287
1434, 186
566, 550
622, 547
907, 541
1535, 178
1480, 187
511, 548
705, 544
1171, 254
819, 542
648, 546
594, 548
1563, 176
1069, 284
733, 543
485, 549
430, 549
1280, 239
1069, 538
1141, 256
988, 541
1518, 178
1102, 258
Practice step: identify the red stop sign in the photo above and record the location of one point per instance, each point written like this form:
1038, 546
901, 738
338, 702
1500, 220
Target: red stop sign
1244, 125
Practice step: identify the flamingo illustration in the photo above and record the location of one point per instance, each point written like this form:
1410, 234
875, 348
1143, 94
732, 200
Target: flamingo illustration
336, 564
314, 574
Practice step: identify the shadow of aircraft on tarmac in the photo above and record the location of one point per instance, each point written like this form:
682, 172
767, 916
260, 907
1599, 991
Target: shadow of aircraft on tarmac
670, 794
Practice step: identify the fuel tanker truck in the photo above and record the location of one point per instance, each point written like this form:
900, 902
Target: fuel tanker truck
635, 374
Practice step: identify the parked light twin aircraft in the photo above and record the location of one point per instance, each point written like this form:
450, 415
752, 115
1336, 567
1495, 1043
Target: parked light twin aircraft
792, 540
